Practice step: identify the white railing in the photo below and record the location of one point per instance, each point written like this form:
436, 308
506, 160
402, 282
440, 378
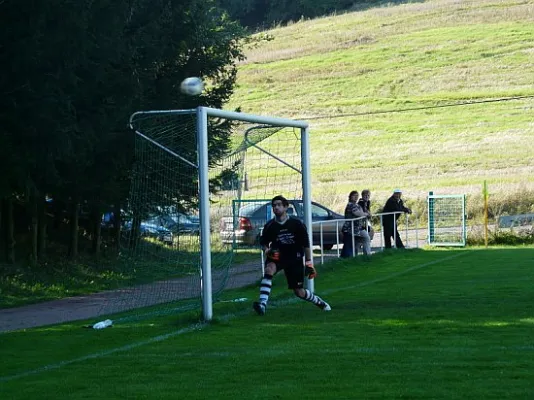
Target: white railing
338, 231
339, 223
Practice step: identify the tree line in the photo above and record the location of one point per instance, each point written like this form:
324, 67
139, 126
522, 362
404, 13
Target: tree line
259, 14
72, 74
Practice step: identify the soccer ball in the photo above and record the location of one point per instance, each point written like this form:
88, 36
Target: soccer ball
192, 86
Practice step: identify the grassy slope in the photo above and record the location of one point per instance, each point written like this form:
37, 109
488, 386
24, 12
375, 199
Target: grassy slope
398, 57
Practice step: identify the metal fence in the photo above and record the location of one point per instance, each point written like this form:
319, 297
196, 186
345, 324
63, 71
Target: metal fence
411, 234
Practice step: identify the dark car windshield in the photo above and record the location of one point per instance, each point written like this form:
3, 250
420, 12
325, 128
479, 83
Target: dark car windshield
251, 208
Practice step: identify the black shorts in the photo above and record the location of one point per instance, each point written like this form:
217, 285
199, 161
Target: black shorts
294, 274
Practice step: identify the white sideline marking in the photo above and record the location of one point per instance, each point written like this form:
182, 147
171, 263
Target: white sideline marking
60, 364
199, 326
292, 300
395, 274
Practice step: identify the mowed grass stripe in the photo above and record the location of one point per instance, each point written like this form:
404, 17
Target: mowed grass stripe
194, 327
51, 367
378, 341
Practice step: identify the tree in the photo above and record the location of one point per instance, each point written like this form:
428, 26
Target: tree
72, 73
261, 14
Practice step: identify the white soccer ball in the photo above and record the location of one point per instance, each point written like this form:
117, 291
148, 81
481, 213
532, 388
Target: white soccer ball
192, 86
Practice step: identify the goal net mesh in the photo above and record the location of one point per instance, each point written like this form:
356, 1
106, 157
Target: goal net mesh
446, 220
161, 249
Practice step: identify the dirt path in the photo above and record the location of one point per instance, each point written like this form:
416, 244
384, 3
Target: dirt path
91, 306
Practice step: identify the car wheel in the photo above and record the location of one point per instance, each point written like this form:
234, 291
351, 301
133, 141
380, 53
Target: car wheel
328, 246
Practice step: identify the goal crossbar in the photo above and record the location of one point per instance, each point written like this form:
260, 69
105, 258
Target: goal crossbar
202, 117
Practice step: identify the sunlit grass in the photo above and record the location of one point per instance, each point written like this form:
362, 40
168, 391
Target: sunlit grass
457, 316
333, 71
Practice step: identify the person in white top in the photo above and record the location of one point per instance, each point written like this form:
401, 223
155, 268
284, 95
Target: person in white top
356, 228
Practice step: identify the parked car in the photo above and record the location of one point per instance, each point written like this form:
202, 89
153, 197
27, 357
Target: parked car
178, 223
253, 216
148, 229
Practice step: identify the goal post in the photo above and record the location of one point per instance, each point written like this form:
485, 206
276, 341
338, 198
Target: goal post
446, 220
204, 193
197, 164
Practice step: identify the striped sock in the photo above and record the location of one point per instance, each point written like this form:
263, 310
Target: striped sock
313, 298
265, 288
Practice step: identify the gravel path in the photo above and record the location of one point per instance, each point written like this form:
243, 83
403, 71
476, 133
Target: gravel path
91, 306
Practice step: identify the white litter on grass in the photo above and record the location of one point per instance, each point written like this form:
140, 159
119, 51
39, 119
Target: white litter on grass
239, 300
103, 324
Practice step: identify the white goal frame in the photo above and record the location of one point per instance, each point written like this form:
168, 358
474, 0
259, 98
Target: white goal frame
202, 114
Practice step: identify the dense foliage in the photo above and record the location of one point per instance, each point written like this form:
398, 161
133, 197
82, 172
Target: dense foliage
72, 73
265, 13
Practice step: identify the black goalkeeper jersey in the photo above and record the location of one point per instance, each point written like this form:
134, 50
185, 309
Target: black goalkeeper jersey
290, 238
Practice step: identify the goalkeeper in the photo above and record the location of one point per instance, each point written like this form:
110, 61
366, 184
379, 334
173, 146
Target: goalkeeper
285, 241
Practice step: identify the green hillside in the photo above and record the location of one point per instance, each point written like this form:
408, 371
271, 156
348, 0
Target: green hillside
341, 72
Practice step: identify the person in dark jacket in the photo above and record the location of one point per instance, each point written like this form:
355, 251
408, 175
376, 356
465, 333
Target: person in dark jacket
286, 244
393, 204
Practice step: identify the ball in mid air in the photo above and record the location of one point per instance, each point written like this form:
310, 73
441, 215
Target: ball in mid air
192, 86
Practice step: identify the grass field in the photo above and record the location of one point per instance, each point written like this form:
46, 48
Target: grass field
412, 324
337, 72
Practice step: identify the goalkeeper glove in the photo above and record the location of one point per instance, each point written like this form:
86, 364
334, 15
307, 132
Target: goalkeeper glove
273, 254
309, 270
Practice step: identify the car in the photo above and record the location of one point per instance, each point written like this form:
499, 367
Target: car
181, 224
184, 223
252, 217
148, 229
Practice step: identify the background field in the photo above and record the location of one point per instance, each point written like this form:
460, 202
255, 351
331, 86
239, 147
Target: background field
338, 72
412, 324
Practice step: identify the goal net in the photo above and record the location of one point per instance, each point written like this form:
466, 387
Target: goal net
200, 182
446, 220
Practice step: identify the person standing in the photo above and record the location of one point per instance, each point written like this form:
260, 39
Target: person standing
285, 242
355, 228
365, 204
393, 204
